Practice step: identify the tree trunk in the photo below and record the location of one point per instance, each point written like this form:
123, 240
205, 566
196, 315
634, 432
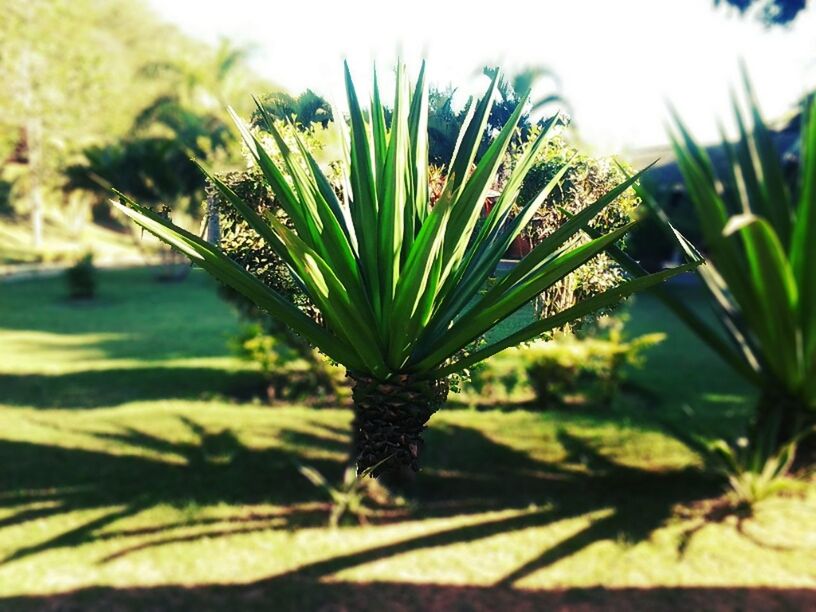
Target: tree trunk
780, 420
36, 215
35, 175
213, 221
389, 418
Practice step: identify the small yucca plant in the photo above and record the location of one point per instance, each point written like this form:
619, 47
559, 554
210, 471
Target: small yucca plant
355, 496
753, 473
399, 281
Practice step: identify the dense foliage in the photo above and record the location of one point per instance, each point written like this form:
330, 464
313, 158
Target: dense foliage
586, 179
72, 122
770, 12
567, 369
399, 282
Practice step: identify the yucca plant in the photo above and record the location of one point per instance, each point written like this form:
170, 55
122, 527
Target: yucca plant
753, 473
355, 496
399, 282
760, 232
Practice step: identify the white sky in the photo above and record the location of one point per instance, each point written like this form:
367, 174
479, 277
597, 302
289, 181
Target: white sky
618, 60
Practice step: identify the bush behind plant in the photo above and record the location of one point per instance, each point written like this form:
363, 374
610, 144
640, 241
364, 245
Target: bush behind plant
293, 368
587, 179
566, 369
81, 279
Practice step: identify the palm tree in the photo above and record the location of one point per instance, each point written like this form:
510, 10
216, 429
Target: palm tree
400, 284
193, 110
307, 109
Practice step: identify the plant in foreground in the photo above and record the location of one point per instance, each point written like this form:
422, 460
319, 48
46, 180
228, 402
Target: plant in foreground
760, 232
756, 468
399, 283
755, 473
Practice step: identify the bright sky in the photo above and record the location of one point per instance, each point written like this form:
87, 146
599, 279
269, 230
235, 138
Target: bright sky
619, 61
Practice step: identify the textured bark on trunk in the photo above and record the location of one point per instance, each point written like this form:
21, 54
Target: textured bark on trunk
389, 418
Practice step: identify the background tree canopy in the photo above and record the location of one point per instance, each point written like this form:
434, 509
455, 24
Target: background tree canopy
771, 12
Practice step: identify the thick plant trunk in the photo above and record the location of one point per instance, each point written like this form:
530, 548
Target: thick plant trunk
781, 419
389, 418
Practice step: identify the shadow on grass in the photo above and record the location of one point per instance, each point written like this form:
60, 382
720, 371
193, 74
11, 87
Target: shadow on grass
634, 404
286, 594
214, 468
112, 387
640, 501
466, 472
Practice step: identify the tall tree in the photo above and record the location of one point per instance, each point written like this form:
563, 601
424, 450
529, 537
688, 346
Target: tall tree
193, 108
308, 109
47, 68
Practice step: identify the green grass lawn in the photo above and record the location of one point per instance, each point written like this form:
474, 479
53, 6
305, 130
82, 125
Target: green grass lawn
139, 473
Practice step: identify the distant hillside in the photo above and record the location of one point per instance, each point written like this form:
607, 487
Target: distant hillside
81, 73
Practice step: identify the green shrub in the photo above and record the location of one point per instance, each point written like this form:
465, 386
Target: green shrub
586, 180
566, 369
291, 372
570, 369
500, 378
81, 279
294, 369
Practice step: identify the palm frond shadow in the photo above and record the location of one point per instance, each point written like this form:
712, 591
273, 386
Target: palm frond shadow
466, 473
91, 388
213, 467
638, 501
